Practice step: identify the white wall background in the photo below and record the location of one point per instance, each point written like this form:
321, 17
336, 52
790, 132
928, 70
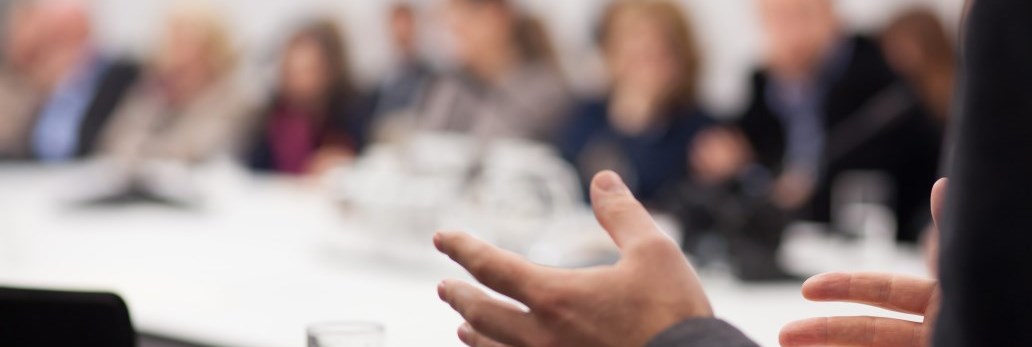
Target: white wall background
728, 30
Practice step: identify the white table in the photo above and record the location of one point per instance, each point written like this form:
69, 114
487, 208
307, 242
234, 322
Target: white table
266, 259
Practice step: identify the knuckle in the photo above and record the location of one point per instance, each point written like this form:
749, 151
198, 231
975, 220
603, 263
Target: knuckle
475, 316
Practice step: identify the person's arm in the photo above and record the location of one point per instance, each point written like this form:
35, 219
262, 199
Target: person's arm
985, 264
702, 332
652, 297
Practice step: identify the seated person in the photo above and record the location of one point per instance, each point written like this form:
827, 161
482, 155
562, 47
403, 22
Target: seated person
316, 118
186, 108
508, 85
21, 44
80, 87
824, 105
646, 124
404, 89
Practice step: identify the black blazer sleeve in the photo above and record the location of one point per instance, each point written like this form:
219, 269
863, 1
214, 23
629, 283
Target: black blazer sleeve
702, 332
986, 254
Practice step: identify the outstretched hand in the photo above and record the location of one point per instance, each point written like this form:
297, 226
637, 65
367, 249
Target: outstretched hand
652, 288
892, 292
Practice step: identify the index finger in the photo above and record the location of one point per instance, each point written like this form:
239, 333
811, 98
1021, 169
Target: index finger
892, 292
500, 270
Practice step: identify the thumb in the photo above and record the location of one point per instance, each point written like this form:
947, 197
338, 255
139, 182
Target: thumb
939, 200
619, 213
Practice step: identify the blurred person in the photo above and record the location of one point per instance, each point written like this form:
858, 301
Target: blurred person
17, 97
405, 88
824, 104
645, 125
919, 49
509, 84
316, 118
186, 109
80, 86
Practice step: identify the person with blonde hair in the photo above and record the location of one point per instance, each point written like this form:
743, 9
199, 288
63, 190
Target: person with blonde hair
187, 108
644, 126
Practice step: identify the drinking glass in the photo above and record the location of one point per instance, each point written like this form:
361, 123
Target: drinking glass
346, 334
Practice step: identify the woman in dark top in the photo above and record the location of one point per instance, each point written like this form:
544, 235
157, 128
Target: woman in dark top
316, 119
644, 127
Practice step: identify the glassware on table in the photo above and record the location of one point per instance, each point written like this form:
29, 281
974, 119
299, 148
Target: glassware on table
346, 334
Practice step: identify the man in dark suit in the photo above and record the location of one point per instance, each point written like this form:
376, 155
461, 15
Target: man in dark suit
652, 298
81, 87
824, 104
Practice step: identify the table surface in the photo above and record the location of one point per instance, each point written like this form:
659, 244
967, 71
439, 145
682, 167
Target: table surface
267, 257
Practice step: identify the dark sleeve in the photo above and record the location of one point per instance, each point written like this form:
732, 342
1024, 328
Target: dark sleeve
986, 257
702, 332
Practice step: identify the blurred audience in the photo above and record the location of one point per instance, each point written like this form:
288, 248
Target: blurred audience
405, 87
80, 86
185, 109
508, 83
317, 118
920, 50
645, 125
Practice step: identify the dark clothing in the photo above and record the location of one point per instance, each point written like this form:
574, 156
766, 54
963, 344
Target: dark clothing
986, 246
405, 91
649, 162
114, 86
702, 332
287, 137
851, 96
111, 89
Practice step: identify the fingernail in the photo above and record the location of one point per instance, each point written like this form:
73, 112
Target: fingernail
611, 182
441, 291
464, 332
437, 241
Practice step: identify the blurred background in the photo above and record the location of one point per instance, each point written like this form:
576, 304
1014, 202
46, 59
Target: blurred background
240, 170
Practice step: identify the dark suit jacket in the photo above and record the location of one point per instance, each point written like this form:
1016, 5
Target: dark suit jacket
115, 84
906, 148
986, 254
985, 259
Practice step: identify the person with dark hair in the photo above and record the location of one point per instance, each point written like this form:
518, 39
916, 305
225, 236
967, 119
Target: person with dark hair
647, 122
918, 47
405, 87
508, 83
317, 117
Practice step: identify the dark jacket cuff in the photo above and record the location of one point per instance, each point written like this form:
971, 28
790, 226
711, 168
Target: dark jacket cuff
702, 332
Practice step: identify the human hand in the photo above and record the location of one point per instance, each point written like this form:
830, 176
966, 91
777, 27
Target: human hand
793, 189
718, 155
652, 287
892, 292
